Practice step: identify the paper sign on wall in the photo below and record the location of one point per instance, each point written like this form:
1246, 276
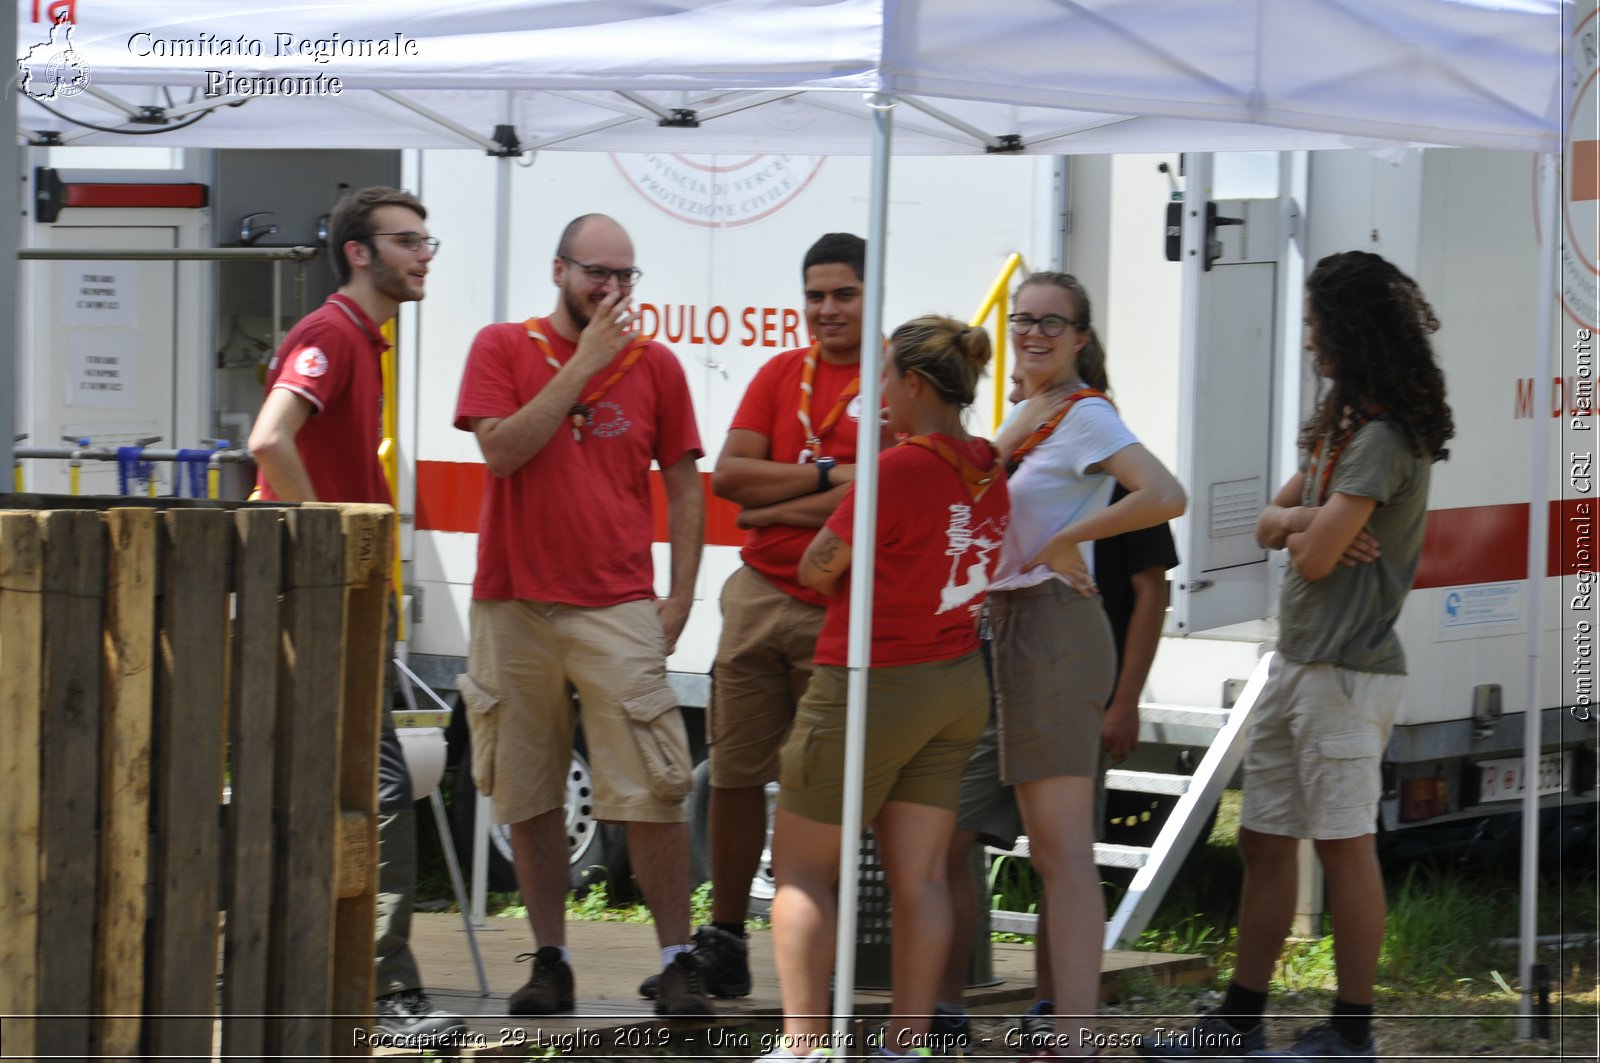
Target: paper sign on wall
100, 293
102, 369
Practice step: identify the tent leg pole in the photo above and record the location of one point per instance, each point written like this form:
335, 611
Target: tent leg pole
865, 533
1538, 533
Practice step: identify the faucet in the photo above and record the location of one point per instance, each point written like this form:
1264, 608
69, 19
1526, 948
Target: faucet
250, 232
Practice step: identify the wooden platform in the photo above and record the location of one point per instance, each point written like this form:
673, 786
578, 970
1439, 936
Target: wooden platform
612, 1020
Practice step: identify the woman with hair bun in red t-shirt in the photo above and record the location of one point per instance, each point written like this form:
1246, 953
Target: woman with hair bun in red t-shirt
942, 516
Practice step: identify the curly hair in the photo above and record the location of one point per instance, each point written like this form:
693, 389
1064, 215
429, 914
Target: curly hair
1370, 325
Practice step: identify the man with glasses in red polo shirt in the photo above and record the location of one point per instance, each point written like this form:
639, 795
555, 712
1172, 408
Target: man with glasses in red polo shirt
316, 440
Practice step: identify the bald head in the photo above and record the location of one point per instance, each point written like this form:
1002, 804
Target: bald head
592, 252
584, 225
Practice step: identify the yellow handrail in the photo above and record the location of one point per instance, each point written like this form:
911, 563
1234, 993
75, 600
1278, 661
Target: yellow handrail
997, 301
389, 457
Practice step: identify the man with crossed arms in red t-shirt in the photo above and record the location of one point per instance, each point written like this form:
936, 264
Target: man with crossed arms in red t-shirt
789, 455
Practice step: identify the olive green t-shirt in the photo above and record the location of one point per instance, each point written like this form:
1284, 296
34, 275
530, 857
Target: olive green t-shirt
1347, 617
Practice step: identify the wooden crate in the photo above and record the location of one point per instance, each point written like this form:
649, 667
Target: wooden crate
190, 695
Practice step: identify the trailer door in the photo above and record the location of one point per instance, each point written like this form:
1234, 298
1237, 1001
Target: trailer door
1230, 329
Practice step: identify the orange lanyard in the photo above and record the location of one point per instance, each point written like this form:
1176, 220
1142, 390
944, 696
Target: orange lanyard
580, 412
1042, 433
814, 437
1352, 423
976, 480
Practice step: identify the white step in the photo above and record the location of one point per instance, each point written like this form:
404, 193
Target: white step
1179, 725
1148, 782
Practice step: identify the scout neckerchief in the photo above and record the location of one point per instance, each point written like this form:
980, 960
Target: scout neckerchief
1042, 433
974, 478
1348, 427
580, 412
814, 436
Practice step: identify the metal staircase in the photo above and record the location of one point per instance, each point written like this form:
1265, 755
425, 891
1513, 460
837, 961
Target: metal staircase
1222, 732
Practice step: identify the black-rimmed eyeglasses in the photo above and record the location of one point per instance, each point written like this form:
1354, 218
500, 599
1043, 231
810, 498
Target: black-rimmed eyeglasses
1051, 325
627, 276
413, 242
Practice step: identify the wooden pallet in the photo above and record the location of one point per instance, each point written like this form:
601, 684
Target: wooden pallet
190, 696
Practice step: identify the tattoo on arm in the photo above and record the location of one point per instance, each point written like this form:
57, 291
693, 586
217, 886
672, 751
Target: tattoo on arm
825, 555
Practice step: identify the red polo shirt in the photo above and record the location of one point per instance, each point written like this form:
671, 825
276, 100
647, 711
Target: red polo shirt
334, 360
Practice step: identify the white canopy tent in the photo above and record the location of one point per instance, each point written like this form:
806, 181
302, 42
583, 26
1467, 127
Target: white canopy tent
810, 76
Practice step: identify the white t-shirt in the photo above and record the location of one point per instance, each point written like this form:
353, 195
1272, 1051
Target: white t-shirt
1051, 489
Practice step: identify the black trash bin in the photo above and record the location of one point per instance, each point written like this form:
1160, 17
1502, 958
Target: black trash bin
874, 961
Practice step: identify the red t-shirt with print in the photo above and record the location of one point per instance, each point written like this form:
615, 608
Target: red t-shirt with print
770, 407
334, 360
937, 550
574, 525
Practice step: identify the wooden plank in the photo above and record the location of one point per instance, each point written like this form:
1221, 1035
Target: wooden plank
368, 533
21, 673
69, 744
252, 730
306, 784
187, 772
127, 689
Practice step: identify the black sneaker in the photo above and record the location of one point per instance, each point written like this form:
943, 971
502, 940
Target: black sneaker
548, 989
682, 991
408, 1019
950, 1030
1210, 1038
724, 960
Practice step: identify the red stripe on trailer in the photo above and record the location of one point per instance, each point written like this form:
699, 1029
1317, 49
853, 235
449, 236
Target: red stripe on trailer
450, 494
134, 195
1466, 545
1489, 544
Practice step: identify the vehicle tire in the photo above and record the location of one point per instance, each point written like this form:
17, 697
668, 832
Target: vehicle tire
762, 886
697, 806
596, 852
463, 805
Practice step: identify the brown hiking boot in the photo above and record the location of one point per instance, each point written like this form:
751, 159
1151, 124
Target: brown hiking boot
549, 988
682, 992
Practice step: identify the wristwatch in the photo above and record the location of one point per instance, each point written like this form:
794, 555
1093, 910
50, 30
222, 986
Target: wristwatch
824, 467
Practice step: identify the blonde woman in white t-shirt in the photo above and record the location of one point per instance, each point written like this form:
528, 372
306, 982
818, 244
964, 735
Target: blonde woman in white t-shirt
1054, 659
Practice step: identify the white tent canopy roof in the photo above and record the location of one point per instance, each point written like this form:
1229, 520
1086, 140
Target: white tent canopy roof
1060, 76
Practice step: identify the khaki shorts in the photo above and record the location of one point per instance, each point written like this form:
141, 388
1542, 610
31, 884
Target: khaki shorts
1313, 769
922, 722
1054, 666
762, 668
525, 660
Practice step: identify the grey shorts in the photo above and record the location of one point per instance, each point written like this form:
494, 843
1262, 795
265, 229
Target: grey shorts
1317, 738
988, 807
1054, 666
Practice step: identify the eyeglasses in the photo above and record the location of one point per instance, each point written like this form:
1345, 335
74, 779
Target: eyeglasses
1050, 325
626, 277
413, 242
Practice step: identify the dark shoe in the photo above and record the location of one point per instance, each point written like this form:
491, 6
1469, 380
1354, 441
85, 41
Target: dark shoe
408, 1019
549, 988
724, 961
950, 1031
1322, 1042
1037, 1025
682, 990
1210, 1038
